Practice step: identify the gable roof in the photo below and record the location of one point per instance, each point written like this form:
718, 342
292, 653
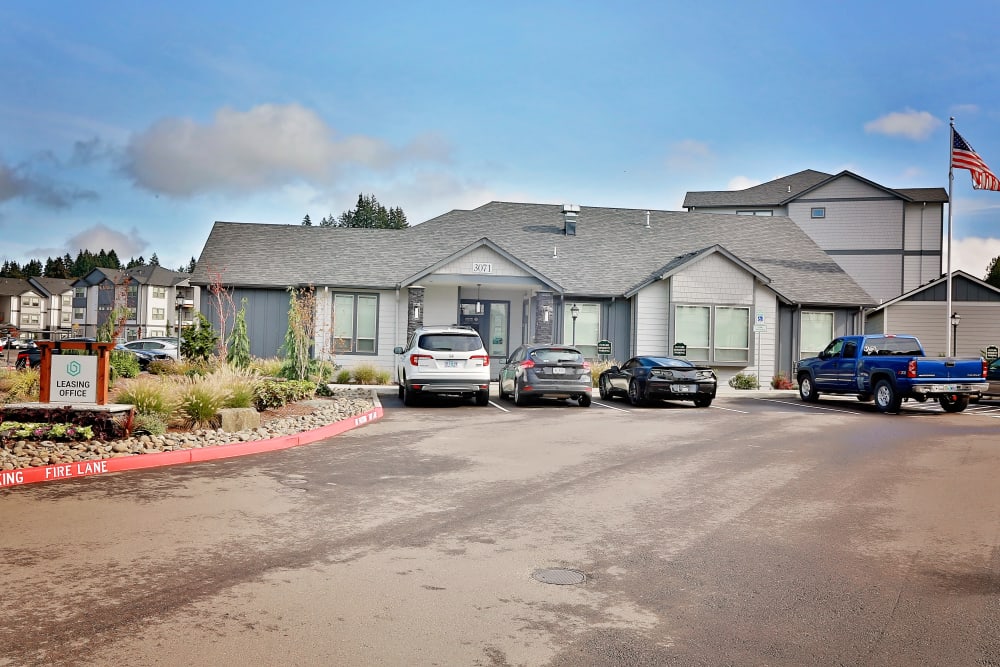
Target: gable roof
52, 286
679, 263
929, 288
13, 286
781, 191
613, 251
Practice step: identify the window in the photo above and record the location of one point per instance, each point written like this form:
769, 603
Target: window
587, 329
67, 300
691, 327
732, 334
64, 318
817, 212
159, 313
159, 292
29, 318
133, 289
816, 332
767, 213
714, 334
79, 292
78, 313
355, 319
29, 301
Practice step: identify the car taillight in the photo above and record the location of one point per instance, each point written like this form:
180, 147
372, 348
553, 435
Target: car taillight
483, 358
415, 358
986, 367
586, 365
911, 369
527, 363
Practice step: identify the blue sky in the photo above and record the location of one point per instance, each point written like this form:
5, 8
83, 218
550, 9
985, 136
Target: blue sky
134, 126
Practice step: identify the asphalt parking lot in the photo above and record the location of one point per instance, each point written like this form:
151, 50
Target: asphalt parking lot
760, 530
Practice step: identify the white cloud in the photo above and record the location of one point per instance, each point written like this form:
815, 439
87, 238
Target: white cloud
266, 147
101, 237
965, 110
910, 124
741, 183
973, 255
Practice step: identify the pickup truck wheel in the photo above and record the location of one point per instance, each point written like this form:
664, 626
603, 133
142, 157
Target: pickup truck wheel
953, 403
807, 390
887, 399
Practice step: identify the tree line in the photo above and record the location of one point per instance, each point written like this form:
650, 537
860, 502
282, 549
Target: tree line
86, 261
368, 214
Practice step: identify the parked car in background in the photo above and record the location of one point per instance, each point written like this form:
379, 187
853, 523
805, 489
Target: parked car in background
145, 357
993, 378
642, 379
443, 360
28, 358
164, 345
555, 371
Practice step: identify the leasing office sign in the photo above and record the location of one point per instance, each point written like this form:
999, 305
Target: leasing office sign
73, 378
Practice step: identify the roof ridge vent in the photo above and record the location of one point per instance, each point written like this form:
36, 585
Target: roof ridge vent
789, 188
647, 219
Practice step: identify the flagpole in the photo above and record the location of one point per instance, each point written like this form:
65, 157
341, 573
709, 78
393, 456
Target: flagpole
951, 181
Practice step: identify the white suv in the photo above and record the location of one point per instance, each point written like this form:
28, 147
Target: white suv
443, 360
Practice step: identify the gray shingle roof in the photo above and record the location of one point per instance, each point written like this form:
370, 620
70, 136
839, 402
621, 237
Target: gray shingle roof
788, 188
612, 252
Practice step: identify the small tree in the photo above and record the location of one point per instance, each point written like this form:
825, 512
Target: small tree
239, 342
198, 342
301, 333
993, 272
222, 303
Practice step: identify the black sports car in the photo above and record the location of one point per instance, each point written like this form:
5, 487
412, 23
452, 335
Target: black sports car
641, 379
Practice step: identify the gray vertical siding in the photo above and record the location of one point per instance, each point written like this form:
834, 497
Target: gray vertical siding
267, 318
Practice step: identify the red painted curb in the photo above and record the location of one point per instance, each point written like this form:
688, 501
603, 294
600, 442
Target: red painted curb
60, 471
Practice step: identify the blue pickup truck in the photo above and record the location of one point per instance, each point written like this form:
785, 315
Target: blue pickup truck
889, 368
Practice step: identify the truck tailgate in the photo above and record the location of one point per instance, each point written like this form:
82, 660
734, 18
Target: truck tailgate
949, 368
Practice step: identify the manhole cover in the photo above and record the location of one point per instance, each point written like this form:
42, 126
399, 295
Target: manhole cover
559, 575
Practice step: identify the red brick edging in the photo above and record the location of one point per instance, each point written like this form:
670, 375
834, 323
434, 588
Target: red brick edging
60, 471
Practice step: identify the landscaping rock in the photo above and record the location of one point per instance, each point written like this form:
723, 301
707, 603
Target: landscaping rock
238, 419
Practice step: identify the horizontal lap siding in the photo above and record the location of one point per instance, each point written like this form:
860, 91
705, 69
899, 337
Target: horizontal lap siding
879, 275
924, 226
713, 279
652, 319
929, 320
501, 265
852, 225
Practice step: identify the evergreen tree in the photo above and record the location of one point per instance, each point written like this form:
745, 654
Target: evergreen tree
68, 263
54, 268
238, 354
11, 269
306, 222
154, 260
328, 222
113, 261
372, 215
33, 269
993, 272
191, 265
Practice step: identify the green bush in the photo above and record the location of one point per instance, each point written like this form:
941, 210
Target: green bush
266, 367
343, 376
383, 377
123, 364
241, 394
165, 367
743, 381
273, 393
200, 403
149, 423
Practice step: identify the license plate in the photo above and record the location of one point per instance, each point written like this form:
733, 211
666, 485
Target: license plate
681, 388
558, 370
951, 387
451, 363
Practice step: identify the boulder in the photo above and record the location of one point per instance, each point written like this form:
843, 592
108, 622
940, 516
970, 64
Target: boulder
238, 419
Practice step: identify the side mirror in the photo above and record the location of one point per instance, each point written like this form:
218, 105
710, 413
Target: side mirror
824, 355
397, 350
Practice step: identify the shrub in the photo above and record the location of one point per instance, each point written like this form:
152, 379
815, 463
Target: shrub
149, 424
21, 385
165, 367
123, 364
781, 381
199, 342
199, 404
241, 394
273, 393
238, 353
365, 374
150, 397
343, 376
743, 381
383, 377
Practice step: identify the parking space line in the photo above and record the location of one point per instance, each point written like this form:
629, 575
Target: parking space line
719, 407
498, 406
610, 407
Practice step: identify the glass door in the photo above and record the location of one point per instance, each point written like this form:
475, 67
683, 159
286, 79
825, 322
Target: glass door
492, 323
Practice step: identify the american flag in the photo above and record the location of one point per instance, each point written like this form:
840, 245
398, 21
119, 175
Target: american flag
963, 157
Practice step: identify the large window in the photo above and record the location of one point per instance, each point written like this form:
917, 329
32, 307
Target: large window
355, 319
714, 334
159, 292
159, 314
587, 332
816, 332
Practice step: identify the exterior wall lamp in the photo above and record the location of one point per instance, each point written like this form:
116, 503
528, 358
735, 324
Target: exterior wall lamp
955, 321
574, 312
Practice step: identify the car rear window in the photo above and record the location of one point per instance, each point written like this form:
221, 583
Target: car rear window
895, 346
450, 342
557, 356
